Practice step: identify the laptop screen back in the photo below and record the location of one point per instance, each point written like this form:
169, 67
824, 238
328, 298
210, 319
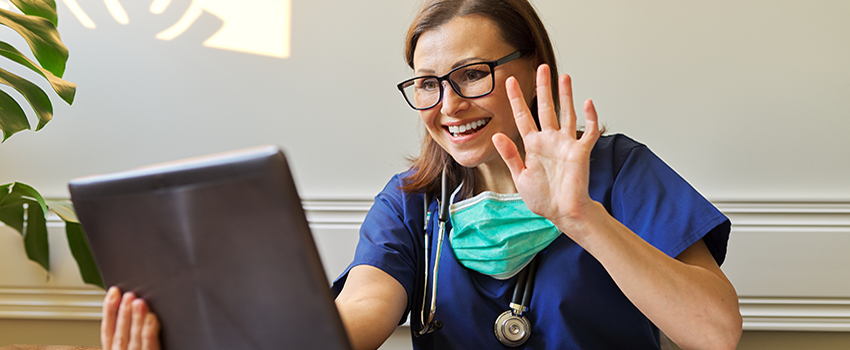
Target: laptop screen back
218, 246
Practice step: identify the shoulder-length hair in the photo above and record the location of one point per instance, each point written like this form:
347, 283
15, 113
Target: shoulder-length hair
520, 27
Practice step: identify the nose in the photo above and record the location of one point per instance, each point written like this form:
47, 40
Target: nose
452, 103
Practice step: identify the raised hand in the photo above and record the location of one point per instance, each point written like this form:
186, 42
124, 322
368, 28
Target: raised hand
553, 178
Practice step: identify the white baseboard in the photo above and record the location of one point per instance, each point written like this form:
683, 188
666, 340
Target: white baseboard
796, 314
51, 303
760, 314
797, 311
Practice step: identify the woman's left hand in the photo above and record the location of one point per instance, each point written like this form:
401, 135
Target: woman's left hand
554, 177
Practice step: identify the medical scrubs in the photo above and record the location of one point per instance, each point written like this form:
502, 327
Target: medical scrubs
575, 303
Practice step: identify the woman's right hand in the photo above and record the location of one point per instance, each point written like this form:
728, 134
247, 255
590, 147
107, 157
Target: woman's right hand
127, 323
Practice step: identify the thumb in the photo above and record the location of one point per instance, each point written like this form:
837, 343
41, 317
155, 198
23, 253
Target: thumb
509, 153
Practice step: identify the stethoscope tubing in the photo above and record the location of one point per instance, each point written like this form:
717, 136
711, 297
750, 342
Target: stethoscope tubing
430, 325
523, 289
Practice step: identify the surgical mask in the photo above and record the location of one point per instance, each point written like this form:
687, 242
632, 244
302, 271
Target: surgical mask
497, 235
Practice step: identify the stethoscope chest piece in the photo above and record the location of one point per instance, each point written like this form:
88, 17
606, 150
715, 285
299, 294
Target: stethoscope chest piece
512, 327
512, 330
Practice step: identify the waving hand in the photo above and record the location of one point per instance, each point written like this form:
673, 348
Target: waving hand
553, 178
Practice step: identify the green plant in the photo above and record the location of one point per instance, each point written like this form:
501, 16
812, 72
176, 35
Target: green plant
21, 206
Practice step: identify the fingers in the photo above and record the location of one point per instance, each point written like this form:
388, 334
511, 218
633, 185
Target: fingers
568, 110
140, 311
522, 115
144, 334
545, 105
150, 332
110, 311
124, 321
128, 323
591, 132
508, 150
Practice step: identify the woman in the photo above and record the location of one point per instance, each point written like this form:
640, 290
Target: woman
621, 244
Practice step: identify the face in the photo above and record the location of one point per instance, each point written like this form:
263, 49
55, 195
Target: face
464, 40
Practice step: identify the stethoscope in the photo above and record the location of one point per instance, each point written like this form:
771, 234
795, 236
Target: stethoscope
512, 327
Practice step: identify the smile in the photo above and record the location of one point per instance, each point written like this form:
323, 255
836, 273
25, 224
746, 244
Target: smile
468, 128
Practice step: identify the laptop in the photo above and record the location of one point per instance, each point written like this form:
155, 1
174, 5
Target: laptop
218, 246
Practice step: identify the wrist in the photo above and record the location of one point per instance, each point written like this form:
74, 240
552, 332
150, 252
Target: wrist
586, 225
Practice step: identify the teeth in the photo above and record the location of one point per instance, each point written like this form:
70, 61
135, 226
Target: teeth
458, 129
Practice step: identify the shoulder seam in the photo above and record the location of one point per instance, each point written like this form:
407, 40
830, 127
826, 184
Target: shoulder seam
624, 156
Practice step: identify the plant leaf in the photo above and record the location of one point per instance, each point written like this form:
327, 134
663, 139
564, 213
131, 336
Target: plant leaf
63, 208
34, 95
13, 197
80, 249
35, 235
42, 37
4, 192
42, 8
35, 230
77, 241
12, 117
11, 214
27, 192
65, 89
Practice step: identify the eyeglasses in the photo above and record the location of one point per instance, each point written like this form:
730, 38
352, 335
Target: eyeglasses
468, 81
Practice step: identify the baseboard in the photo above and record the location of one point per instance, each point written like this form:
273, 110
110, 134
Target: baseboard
796, 314
760, 313
51, 303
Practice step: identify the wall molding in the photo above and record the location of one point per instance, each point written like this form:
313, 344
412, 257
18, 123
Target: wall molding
786, 214
760, 314
336, 213
791, 313
796, 314
74, 304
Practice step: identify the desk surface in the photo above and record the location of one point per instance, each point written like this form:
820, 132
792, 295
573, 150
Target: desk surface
47, 347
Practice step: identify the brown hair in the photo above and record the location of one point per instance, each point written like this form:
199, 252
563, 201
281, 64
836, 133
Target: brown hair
520, 27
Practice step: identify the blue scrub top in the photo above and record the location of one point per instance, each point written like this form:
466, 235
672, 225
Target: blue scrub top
575, 304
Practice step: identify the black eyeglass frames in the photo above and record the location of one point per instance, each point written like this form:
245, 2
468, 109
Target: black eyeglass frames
468, 81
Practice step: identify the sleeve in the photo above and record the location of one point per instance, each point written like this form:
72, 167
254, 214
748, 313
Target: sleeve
657, 204
387, 242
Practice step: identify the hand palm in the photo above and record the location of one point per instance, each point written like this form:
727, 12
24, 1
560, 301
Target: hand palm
553, 177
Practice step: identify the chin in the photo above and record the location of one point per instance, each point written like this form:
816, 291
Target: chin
467, 164
471, 160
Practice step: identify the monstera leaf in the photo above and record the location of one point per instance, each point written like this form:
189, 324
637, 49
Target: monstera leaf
21, 207
37, 26
77, 241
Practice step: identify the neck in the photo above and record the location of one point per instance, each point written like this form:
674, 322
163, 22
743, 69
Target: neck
495, 176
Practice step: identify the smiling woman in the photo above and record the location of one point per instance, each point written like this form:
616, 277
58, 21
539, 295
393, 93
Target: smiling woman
696, 101
568, 228
526, 39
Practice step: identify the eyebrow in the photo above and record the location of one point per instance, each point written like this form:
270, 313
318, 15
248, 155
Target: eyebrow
457, 64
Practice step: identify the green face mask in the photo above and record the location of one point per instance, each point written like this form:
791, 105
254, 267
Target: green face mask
497, 235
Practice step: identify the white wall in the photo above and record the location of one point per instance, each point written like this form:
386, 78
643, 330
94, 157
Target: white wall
748, 100
332, 104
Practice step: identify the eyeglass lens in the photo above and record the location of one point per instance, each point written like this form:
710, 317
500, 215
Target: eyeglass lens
470, 81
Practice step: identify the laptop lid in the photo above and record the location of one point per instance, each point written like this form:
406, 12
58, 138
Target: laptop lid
218, 246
